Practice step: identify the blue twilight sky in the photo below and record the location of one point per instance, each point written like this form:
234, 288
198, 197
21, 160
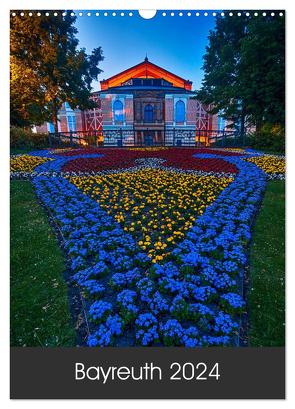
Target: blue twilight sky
175, 43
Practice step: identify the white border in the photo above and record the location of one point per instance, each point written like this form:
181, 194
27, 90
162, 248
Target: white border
4, 212
148, 4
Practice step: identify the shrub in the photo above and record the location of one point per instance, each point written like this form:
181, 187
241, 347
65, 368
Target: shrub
25, 138
269, 137
230, 142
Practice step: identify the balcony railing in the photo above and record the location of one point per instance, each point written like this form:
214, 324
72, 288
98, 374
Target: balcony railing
124, 138
156, 122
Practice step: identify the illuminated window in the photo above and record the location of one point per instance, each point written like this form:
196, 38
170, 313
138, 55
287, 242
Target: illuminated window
71, 123
148, 113
221, 123
118, 112
180, 111
50, 127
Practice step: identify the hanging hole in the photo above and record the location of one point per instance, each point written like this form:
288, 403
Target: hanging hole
147, 14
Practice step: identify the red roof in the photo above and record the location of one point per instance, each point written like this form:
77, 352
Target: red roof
145, 69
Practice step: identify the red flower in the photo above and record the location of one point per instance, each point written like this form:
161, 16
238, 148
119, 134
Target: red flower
120, 158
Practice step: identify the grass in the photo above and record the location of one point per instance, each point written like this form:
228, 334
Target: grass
39, 305
269, 151
16, 151
266, 298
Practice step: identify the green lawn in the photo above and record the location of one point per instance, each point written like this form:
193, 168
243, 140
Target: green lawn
16, 151
266, 296
39, 305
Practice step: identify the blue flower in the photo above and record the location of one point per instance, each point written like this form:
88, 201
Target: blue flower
158, 303
104, 335
172, 332
94, 287
203, 293
99, 310
224, 324
233, 299
147, 329
190, 337
126, 300
146, 289
118, 280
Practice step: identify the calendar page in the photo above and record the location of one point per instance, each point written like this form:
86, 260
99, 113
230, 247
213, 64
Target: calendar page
147, 202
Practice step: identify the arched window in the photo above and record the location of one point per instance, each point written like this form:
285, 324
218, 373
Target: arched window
180, 111
148, 113
118, 111
71, 123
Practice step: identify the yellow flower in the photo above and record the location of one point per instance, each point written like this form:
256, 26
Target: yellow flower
26, 163
152, 203
269, 163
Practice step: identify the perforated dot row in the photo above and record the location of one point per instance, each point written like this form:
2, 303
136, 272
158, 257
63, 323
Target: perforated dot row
163, 13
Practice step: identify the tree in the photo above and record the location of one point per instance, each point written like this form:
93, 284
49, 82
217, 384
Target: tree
221, 83
244, 69
263, 70
27, 100
48, 69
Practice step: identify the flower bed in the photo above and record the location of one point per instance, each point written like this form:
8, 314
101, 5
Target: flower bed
156, 238
155, 206
43, 162
125, 158
26, 163
273, 166
148, 149
135, 152
139, 291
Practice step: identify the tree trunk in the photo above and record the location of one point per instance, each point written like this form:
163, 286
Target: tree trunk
242, 129
54, 116
258, 125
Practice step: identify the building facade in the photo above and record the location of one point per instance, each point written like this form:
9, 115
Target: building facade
143, 105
